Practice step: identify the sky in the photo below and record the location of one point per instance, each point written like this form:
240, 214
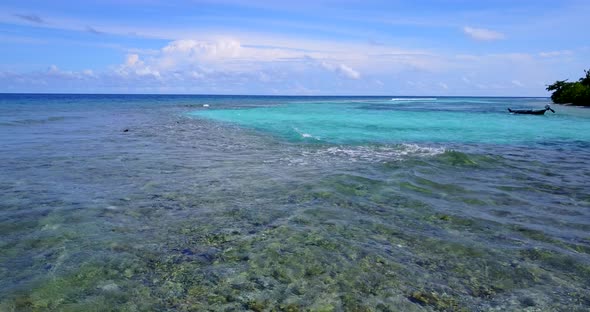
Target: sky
303, 47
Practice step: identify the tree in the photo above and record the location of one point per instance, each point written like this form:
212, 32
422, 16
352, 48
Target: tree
577, 93
586, 80
558, 85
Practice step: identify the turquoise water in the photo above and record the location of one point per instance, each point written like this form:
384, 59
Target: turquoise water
465, 120
160, 203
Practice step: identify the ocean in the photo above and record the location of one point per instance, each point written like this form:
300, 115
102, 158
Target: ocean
269, 203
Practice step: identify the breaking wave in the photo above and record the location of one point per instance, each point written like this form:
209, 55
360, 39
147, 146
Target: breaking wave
412, 99
306, 135
363, 153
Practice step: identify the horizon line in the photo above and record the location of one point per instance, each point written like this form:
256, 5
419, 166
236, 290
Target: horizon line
270, 95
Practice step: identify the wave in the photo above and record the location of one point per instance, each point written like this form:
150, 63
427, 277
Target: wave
374, 154
306, 135
384, 153
412, 99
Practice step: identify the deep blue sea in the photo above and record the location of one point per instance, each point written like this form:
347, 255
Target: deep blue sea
263, 203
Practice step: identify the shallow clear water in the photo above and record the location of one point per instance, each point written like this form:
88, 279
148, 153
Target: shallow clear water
286, 203
464, 120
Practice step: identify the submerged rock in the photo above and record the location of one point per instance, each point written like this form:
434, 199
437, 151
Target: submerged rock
110, 287
527, 302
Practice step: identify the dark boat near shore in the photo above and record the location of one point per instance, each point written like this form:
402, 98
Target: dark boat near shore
532, 111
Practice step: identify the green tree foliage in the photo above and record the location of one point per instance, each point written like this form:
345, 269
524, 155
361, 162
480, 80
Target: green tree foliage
586, 80
577, 93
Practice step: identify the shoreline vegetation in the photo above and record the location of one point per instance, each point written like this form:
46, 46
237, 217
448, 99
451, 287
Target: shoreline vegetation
574, 93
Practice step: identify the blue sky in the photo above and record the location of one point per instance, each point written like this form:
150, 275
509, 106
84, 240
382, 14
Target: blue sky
348, 47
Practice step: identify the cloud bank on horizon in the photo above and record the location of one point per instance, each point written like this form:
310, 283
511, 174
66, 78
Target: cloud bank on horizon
446, 47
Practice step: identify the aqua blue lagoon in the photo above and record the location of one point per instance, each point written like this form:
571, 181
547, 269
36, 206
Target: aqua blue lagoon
261, 203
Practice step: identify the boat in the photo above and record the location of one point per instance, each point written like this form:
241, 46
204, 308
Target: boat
532, 111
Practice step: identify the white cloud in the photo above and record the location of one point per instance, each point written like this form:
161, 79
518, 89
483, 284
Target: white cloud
53, 69
409, 60
135, 66
219, 49
265, 64
483, 34
196, 58
513, 57
517, 83
467, 57
556, 53
348, 72
224, 53
132, 60
340, 69
56, 73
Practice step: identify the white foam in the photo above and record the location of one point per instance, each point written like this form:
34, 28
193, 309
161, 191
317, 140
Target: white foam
364, 154
413, 99
384, 153
305, 135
